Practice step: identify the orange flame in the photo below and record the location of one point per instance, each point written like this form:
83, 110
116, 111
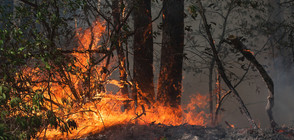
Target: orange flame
95, 116
105, 108
247, 50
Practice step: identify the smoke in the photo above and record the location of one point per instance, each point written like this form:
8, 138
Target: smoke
284, 91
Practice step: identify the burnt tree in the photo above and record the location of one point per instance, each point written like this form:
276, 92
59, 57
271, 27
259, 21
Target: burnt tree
267, 79
170, 77
143, 48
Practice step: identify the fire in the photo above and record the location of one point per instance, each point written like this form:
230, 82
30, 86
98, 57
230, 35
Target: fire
95, 116
229, 125
247, 50
104, 109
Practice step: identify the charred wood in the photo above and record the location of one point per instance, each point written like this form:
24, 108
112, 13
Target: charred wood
267, 79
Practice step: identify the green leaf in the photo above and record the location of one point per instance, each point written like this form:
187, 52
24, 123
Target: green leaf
21, 49
47, 66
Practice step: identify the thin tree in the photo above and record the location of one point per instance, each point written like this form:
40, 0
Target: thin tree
116, 14
220, 67
170, 77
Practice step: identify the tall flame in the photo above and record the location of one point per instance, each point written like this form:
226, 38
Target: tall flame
105, 108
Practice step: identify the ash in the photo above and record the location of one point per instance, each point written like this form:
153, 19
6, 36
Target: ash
188, 132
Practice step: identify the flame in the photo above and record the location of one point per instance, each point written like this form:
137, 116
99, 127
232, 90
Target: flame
247, 50
105, 108
95, 116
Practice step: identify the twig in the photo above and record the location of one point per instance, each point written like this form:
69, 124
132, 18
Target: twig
157, 15
138, 116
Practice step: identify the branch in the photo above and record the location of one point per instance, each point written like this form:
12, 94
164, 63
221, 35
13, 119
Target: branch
238, 45
29, 3
228, 93
221, 68
158, 15
101, 14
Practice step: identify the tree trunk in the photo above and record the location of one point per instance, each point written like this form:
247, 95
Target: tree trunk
119, 48
143, 48
170, 77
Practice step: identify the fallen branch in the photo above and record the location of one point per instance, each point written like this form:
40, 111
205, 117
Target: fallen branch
237, 44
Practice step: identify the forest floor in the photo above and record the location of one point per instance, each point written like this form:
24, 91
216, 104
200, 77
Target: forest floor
188, 132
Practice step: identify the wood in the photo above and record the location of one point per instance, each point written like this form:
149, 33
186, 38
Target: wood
117, 43
143, 48
170, 77
238, 45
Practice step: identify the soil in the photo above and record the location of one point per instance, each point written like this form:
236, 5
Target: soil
188, 132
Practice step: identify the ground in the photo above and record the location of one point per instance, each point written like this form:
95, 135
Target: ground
188, 132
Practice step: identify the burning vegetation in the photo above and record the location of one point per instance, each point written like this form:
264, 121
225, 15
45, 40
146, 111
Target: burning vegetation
63, 81
85, 103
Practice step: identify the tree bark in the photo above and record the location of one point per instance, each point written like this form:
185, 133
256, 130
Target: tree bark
170, 77
143, 48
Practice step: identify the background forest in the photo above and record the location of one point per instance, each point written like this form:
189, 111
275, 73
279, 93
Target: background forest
63, 58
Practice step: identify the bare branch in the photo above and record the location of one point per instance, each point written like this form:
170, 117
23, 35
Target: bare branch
221, 69
267, 79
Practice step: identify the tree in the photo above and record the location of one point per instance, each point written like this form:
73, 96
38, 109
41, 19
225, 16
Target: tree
170, 77
143, 48
117, 6
28, 108
221, 68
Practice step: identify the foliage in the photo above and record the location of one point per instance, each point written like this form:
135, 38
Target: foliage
28, 38
36, 46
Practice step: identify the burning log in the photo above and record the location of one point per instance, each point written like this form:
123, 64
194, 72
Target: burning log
235, 41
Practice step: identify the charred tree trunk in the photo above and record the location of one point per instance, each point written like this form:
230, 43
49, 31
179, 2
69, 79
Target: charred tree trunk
118, 45
170, 77
143, 48
268, 80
